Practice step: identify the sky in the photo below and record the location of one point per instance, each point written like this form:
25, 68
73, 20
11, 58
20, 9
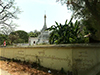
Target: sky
32, 16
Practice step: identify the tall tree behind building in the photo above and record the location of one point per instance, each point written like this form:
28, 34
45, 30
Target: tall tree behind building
34, 34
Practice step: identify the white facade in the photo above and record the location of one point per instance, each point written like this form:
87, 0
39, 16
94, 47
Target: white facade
32, 40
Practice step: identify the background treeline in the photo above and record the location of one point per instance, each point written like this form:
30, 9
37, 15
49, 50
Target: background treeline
19, 36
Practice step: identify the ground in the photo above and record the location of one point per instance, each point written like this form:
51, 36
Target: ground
22, 68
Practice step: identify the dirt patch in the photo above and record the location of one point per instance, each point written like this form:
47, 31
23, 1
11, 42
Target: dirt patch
25, 68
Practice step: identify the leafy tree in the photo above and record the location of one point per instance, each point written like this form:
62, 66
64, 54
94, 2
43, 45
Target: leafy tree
19, 36
31, 34
8, 12
12, 38
2, 38
23, 36
67, 33
89, 11
34, 34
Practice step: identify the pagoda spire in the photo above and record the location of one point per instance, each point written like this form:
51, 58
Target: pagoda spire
45, 19
45, 26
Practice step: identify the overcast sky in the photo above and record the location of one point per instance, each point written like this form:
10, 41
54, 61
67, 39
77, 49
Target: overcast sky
32, 17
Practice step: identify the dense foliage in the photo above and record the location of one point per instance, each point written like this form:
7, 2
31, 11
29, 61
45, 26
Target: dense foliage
2, 38
34, 34
19, 36
89, 11
67, 33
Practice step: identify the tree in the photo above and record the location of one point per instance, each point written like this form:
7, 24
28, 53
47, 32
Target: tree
19, 36
67, 33
6, 30
89, 11
8, 12
22, 35
34, 34
12, 38
2, 38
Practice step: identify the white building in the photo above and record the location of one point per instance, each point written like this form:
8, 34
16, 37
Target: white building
33, 40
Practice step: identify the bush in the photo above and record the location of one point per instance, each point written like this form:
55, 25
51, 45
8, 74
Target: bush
67, 33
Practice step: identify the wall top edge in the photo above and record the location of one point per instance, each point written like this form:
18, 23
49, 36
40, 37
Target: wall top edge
59, 45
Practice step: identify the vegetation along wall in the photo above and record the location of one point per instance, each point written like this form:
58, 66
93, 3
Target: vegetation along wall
78, 57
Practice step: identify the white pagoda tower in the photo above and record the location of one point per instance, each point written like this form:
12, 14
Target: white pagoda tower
44, 36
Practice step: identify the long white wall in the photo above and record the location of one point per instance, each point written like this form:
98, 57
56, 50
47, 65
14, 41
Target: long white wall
69, 57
